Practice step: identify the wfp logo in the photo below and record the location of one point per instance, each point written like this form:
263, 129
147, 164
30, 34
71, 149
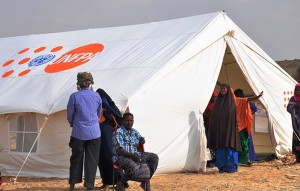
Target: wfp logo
22, 64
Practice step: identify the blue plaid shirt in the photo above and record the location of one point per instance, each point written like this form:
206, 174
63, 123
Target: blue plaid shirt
127, 140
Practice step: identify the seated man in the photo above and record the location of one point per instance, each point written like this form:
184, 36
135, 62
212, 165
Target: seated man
138, 166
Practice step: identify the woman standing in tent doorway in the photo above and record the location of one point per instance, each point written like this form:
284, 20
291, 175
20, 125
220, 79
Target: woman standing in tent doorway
223, 133
294, 109
83, 111
244, 119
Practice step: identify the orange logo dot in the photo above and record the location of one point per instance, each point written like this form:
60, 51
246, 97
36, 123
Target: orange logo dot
23, 61
24, 50
284, 99
8, 63
8, 73
39, 49
74, 58
24, 72
284, 93
56, 48
284, 105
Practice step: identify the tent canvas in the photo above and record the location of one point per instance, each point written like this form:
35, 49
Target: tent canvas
164, 72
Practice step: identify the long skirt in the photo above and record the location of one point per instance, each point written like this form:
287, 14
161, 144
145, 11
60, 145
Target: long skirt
252, 153
227, 160
105, 163
212, 151
296, 148
244, 154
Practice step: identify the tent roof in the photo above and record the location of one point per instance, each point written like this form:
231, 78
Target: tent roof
141, 54
38, 72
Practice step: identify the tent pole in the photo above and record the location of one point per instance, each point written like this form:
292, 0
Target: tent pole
39, 133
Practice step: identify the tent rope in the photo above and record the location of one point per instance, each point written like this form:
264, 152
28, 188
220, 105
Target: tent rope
37, 137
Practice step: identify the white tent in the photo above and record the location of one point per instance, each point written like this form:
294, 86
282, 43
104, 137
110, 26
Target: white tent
164, 72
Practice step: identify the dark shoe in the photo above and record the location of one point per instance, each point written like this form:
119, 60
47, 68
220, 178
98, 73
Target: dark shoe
126, 185
146, 186
72, 187
249, 164
103, 187
210, 165
120, 186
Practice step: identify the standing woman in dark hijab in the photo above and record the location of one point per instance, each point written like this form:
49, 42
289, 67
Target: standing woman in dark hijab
110, 119
223, 134
294, 109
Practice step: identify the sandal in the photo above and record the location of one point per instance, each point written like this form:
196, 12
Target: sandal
104, 186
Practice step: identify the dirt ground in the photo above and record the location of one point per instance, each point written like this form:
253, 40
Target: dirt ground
273, 175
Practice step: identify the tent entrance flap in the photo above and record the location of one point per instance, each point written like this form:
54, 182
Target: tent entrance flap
232, 74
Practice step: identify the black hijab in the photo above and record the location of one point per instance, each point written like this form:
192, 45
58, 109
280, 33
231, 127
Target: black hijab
223, 130
110, 108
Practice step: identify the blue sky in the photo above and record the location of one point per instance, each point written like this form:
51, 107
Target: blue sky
273, 24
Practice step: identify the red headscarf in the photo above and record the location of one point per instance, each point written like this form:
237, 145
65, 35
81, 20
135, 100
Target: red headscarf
297, 98
211, 102
215, 93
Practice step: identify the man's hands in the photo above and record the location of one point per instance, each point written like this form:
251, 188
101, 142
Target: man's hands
135, 157
142, 140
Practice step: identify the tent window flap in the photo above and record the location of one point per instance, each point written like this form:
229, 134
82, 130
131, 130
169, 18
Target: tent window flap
23, 131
